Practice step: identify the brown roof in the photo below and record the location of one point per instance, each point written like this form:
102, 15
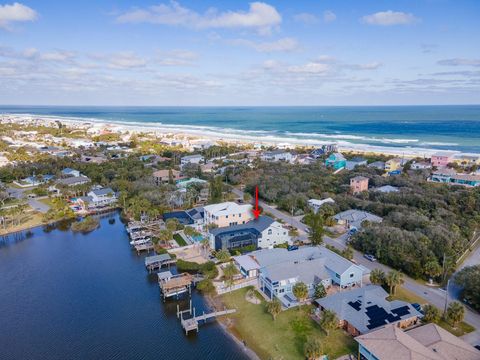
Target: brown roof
444, 343
392, 343
165, 173
427, 342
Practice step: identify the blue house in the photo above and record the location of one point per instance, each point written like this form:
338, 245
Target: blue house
336, 161
280, 269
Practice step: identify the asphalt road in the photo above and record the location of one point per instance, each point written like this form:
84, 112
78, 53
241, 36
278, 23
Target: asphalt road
34, 203
433, 295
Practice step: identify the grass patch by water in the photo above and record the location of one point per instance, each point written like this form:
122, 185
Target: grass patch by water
283, 338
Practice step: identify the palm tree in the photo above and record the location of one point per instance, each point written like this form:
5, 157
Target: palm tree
455, 313
229, 272
377, 277
320, 291
274, 307
432, 269
328, 321
312, 349
300, 291
393, 279
430, 313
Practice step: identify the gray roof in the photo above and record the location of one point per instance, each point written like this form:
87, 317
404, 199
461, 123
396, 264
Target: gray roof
246, 262
70, 181
366, 308
195, 156
260, 224
307, 271
289, 262
275, 152
377, 165
103, 191
356, 217
387, 189
157, 258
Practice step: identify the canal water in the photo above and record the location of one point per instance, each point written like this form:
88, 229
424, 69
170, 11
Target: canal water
73, 296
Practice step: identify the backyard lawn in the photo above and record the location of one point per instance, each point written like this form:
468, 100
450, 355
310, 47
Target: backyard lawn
283, 338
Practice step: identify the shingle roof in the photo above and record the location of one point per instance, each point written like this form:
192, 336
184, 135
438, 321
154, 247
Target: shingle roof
246, 262
226, 207
356, 217
366, 308
103, 191
73, 180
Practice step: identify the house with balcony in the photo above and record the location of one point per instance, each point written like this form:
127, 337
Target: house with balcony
163, 176
263, 232
336, 161
451, 177
227, 214
395, 164
323, 150
280, 269
277, 155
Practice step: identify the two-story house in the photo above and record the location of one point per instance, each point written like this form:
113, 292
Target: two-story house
227, 214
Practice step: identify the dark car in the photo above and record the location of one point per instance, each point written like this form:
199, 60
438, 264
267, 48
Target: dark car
417, 307
370, 257
292, 247
477, 347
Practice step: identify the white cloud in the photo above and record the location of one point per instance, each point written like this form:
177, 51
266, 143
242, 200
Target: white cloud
368, 66
15, 12
317, 68
329, 16
260, 16
389, 18
281, 45
305, 18
125, 60
59, 56
176, 57
459, 62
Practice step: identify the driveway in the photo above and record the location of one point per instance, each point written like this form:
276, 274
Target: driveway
38, 205
435, 296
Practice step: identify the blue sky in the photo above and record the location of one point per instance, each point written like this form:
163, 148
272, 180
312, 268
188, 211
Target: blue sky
351, 52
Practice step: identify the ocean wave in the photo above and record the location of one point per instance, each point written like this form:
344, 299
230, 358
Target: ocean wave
346, 141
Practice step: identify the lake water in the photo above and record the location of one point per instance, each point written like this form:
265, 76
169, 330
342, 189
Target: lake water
74, 296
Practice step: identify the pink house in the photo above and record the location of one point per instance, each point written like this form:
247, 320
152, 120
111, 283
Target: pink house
441, 159
358, 184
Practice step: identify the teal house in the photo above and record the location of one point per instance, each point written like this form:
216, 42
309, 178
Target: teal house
336, 161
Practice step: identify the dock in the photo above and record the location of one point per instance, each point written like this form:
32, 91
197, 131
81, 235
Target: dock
194, 322
155, 262
174, 285
144, 247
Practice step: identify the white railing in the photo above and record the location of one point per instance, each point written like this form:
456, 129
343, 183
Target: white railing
222, 288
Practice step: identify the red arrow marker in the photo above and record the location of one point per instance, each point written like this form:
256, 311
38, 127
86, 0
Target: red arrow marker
256, 212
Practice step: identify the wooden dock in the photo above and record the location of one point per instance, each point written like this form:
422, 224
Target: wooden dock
158, 261
193, 323
144, 247
174, 285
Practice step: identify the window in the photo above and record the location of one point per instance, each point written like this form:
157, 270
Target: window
226, 216
352, 275
269, 231
239, 215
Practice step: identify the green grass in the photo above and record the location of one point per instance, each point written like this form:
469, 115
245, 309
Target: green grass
406, 295
283, 338
180, 241
462, 328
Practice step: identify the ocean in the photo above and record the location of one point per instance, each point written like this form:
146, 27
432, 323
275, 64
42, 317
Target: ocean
411, 127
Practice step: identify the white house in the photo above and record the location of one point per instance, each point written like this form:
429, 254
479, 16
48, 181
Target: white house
70, 172
277, 155
316, 204
102, 197
191, 159
228, 214
263, 232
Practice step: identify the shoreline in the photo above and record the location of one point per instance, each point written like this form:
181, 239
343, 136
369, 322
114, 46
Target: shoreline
221, 322
240, 137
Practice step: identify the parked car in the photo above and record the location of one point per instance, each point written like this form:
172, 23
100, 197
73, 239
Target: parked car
417, 307
477, 347
292, 247
370, 257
